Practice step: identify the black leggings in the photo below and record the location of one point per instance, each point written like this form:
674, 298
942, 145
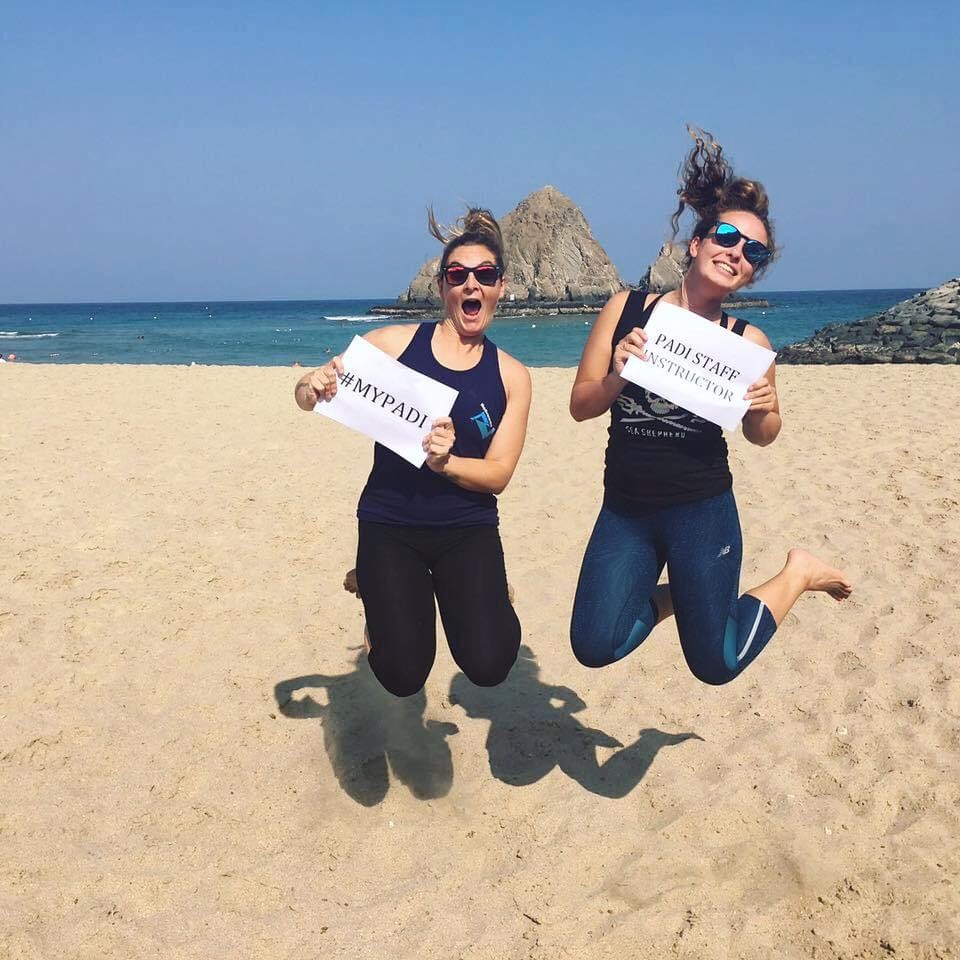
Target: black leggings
400, 569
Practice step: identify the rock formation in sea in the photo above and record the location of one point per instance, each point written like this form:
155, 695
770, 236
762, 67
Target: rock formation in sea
666, 272
923, 329
553, 259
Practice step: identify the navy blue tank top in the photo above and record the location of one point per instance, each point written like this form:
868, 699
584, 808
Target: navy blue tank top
399, 493
659, 453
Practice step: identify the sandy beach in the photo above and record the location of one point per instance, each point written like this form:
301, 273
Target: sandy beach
196, 762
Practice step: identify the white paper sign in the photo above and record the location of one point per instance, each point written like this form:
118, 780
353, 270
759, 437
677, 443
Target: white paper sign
698, 365
387, 401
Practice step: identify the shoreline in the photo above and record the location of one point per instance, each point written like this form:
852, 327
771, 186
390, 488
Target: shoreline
860, 363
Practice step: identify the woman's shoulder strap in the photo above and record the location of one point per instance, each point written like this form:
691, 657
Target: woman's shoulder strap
635, 313
419, 344
423, 335
738, 325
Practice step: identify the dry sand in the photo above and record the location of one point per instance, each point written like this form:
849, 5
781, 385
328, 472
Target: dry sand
195, 762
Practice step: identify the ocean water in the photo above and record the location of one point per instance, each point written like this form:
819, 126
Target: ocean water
279, 333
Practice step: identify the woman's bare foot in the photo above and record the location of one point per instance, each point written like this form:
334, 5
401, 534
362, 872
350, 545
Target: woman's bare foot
818, 576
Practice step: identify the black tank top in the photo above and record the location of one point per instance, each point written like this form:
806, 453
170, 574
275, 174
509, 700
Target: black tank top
658, 453
399, 493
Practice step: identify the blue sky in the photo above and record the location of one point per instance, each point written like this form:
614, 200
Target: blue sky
281, 151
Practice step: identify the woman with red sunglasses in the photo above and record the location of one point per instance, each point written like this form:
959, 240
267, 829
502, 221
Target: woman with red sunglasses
668, 498
432, 532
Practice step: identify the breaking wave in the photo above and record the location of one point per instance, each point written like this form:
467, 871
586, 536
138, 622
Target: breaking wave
15, 335
361, 318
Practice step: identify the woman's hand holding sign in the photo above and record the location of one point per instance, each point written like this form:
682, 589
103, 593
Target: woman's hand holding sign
319, 384
324, 380
633, 344
761, 422
438, 443
762, 396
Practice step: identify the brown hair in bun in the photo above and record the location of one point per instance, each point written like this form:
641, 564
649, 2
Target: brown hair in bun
709, 187
477, 226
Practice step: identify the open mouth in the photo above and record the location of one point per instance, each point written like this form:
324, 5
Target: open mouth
470, 307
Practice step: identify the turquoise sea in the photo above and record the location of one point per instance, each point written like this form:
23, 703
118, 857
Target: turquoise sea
278, 333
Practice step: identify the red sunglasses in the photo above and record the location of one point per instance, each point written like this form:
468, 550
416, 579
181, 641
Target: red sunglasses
486, 274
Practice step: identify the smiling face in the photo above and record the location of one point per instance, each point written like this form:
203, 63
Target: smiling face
726, 268
470, 306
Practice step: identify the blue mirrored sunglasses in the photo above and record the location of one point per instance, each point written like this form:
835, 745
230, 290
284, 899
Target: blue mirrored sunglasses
727, 235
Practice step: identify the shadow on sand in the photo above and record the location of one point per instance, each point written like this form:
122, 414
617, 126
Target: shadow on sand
533, 729
366, 730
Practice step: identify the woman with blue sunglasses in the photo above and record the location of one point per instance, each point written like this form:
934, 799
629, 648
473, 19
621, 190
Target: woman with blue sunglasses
433, 532
668, 498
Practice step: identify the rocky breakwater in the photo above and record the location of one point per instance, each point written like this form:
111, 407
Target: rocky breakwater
554, 263
923, 329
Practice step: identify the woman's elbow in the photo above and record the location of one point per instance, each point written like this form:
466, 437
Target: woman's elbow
763, 438
762, 432
501, 479
499, 484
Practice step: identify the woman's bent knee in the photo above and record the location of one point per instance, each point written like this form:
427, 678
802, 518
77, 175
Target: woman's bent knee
489, 676
714, 674
491, 669
588, 652
402, 680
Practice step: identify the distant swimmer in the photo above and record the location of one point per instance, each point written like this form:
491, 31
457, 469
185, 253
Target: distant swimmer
431, 535
668, 498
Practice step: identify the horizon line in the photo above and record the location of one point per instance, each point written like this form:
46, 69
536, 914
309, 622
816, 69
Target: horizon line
386, 301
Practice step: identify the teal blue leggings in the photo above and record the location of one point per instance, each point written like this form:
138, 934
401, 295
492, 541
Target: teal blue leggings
721, 632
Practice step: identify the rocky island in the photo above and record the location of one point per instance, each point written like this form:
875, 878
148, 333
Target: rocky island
554, 263
923, 329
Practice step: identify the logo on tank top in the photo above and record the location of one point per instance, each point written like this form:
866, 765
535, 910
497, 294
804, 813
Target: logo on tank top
483, 422
650, 409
